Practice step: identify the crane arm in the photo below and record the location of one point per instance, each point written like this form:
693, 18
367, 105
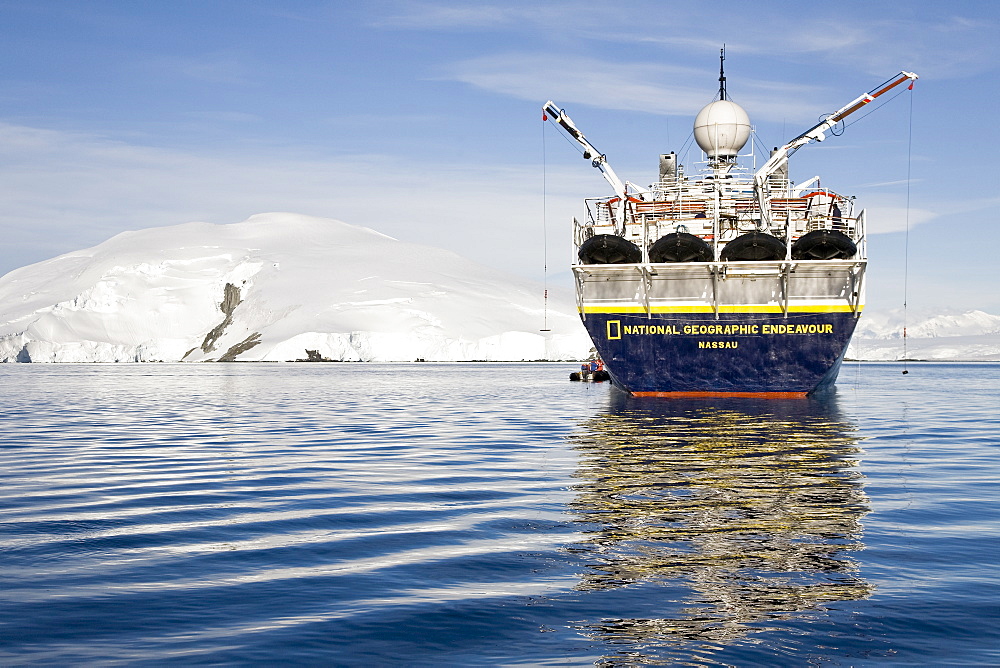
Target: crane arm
818, 131
590, 152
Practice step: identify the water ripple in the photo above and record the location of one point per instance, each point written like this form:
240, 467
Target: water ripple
487, 515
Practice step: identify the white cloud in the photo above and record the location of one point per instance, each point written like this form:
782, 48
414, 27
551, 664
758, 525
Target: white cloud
877, 39
217, 68
886, 214
887, 219
224, 116
886, 184
411, 15
654, 88
437, 16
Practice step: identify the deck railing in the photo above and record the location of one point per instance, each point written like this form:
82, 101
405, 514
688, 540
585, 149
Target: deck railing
692, 209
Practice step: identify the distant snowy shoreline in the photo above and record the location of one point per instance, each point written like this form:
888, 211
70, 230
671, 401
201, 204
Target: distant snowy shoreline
973, 336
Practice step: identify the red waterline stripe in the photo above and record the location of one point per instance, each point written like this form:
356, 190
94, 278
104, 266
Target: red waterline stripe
746, 395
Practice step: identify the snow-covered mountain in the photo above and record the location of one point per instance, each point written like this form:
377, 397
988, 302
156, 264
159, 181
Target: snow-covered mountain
275, 287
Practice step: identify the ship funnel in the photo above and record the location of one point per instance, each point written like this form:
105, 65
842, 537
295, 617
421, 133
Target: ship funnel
722, 129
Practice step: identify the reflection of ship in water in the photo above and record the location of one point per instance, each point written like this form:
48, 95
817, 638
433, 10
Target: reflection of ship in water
750, 507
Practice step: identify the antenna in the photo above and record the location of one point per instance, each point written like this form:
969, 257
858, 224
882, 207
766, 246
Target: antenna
722, 72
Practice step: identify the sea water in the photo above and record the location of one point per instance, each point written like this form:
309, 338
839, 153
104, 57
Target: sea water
493, 514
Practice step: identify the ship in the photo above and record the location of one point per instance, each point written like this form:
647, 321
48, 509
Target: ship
731, 281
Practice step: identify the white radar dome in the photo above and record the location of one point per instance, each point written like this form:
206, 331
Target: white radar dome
722, 129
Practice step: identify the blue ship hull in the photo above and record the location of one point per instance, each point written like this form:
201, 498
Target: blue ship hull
736, 354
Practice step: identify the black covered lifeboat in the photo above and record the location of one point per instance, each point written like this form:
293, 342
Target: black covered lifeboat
823, 245
754, 246
680, 247
609, 249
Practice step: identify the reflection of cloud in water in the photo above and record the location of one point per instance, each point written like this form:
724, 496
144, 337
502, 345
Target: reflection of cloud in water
750, 506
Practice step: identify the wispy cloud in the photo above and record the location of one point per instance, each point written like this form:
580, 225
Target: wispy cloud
653, 88
219, 68
952, 48
877, 40
224, 116
888, 219
887, 184
464, 16
888, 214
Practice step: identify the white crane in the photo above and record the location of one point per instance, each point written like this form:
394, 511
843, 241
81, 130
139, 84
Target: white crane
590, 152
817, 133
597, 159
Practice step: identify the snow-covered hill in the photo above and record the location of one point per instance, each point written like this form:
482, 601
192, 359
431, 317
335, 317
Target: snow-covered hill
275, 287
970, 336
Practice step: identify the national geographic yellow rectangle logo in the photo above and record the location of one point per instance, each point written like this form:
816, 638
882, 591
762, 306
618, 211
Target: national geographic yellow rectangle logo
614, 329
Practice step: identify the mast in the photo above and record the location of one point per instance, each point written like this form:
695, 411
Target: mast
722, 72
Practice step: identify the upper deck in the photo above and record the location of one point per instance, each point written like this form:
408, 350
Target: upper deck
720, 207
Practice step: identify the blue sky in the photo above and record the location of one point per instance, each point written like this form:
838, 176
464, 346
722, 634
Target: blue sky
422, 119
